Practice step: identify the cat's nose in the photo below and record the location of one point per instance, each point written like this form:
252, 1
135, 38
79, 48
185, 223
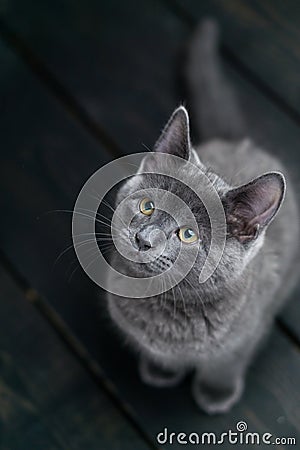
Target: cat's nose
143, 243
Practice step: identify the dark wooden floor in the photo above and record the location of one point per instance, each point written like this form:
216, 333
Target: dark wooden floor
81, 83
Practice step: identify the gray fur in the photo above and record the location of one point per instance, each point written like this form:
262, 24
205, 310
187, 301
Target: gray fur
214, 327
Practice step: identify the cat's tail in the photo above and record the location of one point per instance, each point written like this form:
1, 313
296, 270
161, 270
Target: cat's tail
213, 102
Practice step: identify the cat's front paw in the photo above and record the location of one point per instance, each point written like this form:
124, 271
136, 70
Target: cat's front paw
154, 375
217, 399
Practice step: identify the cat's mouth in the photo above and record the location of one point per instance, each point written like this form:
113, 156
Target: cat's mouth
149, 269
158, 265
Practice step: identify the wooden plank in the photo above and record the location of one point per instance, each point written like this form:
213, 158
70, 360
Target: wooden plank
263, 36
87, 50
37, 129
48, 401
133, 103
77, 302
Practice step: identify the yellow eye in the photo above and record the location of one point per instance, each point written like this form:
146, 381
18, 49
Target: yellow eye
147, 206
187, 235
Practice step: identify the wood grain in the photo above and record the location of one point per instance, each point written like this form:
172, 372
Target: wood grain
48, 401
264, 37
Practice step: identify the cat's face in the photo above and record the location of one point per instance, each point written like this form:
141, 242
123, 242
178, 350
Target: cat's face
152, 239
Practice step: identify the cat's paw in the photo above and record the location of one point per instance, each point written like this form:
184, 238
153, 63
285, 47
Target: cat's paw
154, 375
217, 400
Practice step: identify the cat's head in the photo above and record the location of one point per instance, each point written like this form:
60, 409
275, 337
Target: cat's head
153, 238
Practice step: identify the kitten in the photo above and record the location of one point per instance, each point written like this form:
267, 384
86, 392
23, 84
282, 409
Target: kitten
212, 327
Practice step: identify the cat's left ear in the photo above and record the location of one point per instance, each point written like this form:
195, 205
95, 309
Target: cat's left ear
250, 208
175, 137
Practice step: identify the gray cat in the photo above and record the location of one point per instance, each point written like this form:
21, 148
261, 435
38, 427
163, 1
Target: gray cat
213, 327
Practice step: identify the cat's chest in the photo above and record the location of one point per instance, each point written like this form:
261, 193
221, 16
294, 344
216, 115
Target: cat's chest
160, 320
165, 326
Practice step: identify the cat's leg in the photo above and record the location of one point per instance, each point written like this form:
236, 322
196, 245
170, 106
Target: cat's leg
214, 103
219, 385
155, 375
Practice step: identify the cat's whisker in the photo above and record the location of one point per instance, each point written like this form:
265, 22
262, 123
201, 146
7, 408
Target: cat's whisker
88, 216
71, 247
149, 286
132, 164
62, 253
71, 211
174, 303
165, 294
94, 213
87, 254
96, 196
86, 242
115, 212
146, 147
108, 250
86, 268
177, 286
162, 296
109, 206
183, 302
91, 217
196, 291
110, 222
169, 276
97, 234
73, 272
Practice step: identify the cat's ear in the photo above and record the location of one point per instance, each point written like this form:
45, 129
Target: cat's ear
175, 137
251, 207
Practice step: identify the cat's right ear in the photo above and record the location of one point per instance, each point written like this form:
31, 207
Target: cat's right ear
174, 140
175, 137
250, 208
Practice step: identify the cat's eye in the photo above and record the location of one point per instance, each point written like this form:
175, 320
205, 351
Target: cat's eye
187, 235
147, 206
